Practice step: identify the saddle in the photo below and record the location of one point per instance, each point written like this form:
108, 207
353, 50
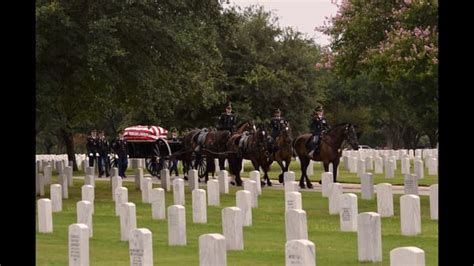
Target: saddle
243, 142
200, 137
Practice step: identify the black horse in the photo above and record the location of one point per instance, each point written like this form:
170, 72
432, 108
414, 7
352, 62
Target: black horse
329, 151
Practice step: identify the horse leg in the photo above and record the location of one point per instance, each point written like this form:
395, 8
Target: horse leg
308, 182
238, 167
222, 163
280, 176
265, 171
334, 167
326, 169
304, 161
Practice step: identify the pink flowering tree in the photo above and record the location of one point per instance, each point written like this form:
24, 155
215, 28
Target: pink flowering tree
393, 44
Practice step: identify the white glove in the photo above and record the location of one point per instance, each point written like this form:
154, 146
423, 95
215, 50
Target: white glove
91, 154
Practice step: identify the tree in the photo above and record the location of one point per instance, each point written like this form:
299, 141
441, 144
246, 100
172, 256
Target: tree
393, 46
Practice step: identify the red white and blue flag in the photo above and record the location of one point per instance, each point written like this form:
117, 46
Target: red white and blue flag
145, 133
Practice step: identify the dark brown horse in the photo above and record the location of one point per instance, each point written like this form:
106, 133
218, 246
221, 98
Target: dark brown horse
283, 150
213, 146
329, 151
255, 149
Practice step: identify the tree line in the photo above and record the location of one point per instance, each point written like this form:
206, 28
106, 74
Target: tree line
176, 63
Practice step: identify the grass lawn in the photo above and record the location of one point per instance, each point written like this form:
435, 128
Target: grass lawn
264, 242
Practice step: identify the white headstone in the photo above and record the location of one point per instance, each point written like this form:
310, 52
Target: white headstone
434, 202
360, 167
87, 192
327, 179
56, 198
78, 245
251, 186
394, 162
433, 166
176, 225
244, 203
47, 174
165, 179
59, 167
348, 212
84, 214
223, 177
369, 237
213, 192
114, 171
389, 170
405, 165
411, 184
146, 189
407, 256
89, 180
178, 191
232, 228
193, 179
199, 206
410, 215
128, 220
384, 199
121, 196
212, 250
369, 163
45, 216
40, 182
158, 209
367, 186
90, 171
255, 176
378, 165
291, 186
293, 201
335, 192
138, 174
300, 252
68, 173
116, 182
419, 170
296, 225
141, 247
288, 176
353, 164
62, 180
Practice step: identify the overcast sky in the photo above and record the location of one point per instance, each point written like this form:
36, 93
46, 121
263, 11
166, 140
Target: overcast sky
303, 15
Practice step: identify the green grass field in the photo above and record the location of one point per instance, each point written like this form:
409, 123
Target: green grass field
264, 242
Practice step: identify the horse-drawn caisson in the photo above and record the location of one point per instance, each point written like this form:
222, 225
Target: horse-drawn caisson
151, 143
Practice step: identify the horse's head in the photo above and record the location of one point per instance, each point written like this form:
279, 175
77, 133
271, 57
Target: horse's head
246, 126
351, 136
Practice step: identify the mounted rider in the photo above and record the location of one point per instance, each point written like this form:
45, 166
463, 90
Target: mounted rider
277, 123
319, 126
227, 120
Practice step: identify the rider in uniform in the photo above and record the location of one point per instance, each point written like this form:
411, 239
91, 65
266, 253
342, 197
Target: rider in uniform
227, 120
319, 126
277, 123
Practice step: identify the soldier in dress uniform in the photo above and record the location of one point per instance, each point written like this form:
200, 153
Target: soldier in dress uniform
319, 126
92, 144
227, 120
